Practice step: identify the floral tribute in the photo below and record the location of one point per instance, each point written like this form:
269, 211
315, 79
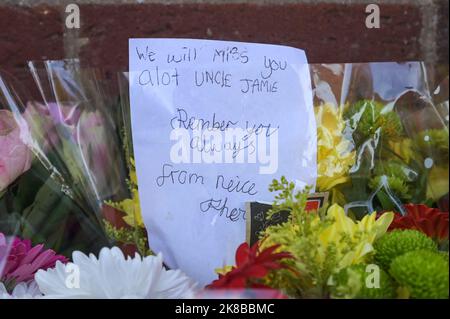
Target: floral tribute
330, 255
71, 224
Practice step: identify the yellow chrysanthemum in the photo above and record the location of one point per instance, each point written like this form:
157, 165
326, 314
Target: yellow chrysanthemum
334, 152
131, 206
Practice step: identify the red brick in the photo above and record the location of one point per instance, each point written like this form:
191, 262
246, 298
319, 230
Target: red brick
328, 32
442, 31
29, 33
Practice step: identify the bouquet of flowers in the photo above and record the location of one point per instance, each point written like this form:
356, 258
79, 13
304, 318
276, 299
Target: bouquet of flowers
327, 254
381, 146
383, 156
71, 223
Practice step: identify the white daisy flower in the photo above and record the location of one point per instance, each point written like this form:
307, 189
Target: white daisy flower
114, 276
21, 291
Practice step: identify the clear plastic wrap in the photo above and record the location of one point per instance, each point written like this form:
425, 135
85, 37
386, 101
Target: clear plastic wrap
75, 161
383, 135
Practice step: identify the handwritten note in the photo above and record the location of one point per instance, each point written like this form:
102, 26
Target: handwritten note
213, 124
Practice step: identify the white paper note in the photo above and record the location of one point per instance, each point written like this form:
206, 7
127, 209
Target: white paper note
213, 123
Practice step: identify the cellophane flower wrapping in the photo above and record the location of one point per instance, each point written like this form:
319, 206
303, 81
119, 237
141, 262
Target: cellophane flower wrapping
382, 135
66, 174
68, 181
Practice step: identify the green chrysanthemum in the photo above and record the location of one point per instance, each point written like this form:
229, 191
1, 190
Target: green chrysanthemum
423, 273
368, 117
398, 176
444, 255
361, 282
399, 242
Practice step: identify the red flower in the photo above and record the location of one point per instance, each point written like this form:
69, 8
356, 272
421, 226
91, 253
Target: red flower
251, 264
430, 221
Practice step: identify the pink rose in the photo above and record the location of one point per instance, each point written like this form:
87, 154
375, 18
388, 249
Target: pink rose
15, 156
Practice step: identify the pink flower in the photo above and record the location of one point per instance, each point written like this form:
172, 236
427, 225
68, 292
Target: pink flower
19, 261
15, 156
89, 133
99, 151
42, 120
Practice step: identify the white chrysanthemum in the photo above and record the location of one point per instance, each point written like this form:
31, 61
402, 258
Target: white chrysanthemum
113, 276
21, 291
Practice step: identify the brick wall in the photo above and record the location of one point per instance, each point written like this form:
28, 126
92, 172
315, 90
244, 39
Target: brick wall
329, 30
